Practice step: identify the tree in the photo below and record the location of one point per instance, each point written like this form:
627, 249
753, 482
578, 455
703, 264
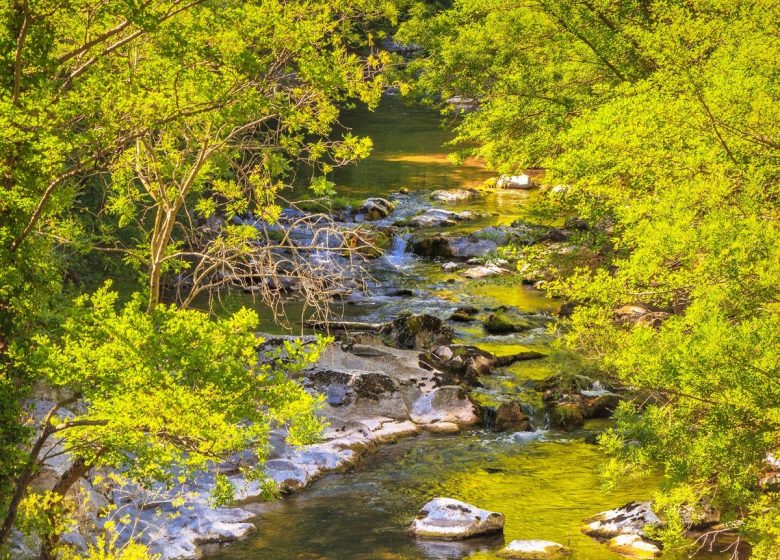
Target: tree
129, 130
662, 120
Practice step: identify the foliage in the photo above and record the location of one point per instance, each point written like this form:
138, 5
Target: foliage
129, 129
171, 388
662, 120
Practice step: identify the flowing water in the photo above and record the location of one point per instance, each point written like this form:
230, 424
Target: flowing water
544, 482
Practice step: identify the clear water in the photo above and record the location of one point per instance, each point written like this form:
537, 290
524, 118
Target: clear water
545, 483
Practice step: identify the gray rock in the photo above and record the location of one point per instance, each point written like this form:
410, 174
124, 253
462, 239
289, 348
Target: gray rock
455, 195
436, 217
448, 519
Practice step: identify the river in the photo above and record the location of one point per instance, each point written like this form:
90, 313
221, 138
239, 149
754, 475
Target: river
544, 482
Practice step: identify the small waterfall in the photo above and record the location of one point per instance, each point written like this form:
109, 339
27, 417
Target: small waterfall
540, 420
489, 417
397, 256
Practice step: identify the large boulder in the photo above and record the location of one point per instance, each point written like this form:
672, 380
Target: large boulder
376, 208
455, 195
416, 331
448, 519
533, 550
436, 217
444, 404
629, 519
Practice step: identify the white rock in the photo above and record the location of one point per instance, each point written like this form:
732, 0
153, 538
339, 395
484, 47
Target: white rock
448, 519
633, 545
533, 550
484, 271
629, 519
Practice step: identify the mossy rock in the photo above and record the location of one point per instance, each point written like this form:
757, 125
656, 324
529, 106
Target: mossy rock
498, 323
567, 416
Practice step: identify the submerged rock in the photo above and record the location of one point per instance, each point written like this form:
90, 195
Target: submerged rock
448, 519
533, 550
455, 195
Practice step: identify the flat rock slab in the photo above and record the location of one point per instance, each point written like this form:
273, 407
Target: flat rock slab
448, 519
534, 550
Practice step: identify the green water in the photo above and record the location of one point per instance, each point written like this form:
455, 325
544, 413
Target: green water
545, 484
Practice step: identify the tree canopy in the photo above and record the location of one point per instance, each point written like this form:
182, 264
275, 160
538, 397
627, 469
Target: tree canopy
660, 121
128, 127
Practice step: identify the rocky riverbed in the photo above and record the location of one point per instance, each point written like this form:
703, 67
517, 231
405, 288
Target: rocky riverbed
436, 386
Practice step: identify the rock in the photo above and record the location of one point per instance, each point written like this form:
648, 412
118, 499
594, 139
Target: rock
484, 271
469, 246
460, 316
376, 208
403, 49
633, 545
602, 406
448, 519
444, 404
700, 516
436, 217
511, 417
431, 247
567, 416
443, 427
533, 550
522, 182
497, 323
630, 519
463, 364
463, 104
417, 331
455, 195
450, 266
364, 393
